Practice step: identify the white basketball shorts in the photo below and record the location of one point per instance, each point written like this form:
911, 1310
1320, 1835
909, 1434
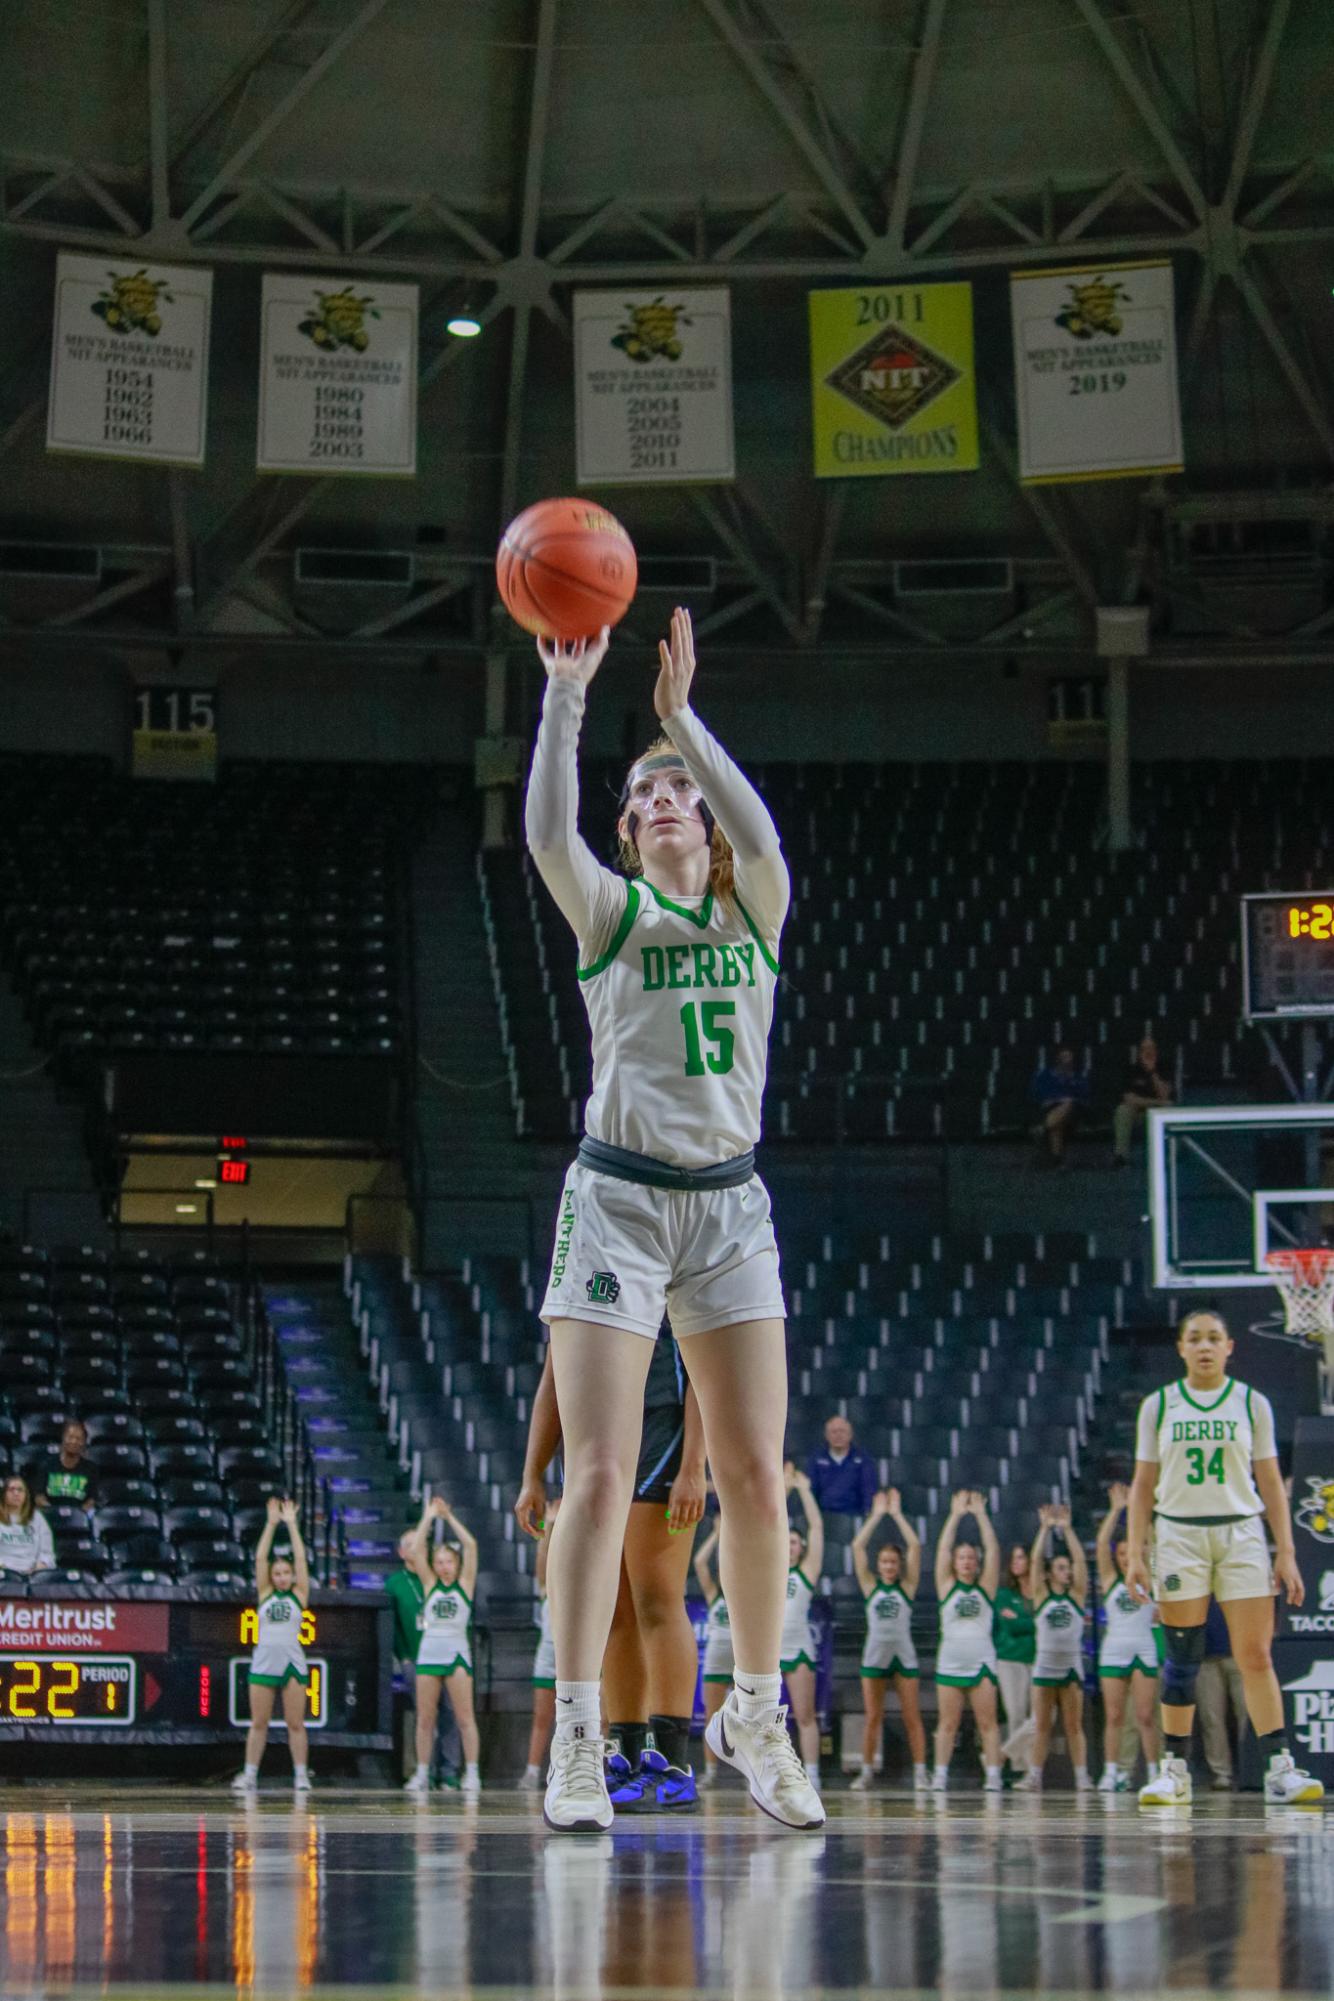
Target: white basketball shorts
624, 1253
1230, 1560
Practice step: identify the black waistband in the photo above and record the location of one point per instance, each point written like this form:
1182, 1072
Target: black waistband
1204, 1521
623, 1165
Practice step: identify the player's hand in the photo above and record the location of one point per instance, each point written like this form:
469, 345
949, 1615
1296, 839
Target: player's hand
1288, 1578
1137, 1580
273, 1509
574, 659
437, 1510
882, 1504
685, 1503
977, 1503
287, 1513
530, 1509
676, 667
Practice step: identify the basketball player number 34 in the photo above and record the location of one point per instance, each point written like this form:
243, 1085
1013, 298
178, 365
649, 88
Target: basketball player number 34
699, 1020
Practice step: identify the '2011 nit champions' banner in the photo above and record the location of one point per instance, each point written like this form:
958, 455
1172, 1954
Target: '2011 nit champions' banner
892, 383
337, 377
1095, 371
653, 387
129, 360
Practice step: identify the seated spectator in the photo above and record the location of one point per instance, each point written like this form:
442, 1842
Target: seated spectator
25, 1538
1145, 1086
843, 1479
72, 1478
1061, 1094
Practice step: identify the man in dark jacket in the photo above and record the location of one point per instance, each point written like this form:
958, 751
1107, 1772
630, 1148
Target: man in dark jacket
843, 1478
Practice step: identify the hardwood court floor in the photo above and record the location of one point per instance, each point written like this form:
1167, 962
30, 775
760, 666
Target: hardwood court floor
167, 1892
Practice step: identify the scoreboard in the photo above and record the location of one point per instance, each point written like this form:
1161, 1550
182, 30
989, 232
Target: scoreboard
173, 1670
1287, 955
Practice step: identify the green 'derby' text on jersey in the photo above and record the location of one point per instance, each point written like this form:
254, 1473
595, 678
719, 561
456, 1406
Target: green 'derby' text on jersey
680, 1005
1204, 1444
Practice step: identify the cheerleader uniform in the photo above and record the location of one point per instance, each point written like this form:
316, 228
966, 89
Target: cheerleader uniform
279, 1656
446, 1617
544, 1660
967, 1652
889, 1648
1060, 1641
798, 1641
1128, 1641
718, 1659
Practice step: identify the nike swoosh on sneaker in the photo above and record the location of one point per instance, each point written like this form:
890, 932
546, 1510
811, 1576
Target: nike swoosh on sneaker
728, 1750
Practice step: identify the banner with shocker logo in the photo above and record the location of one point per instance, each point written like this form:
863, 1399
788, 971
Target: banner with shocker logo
1095, 372
653, 387
892, 382
129, 360
337, 377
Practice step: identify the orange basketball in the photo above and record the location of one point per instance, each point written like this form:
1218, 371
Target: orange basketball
566, 568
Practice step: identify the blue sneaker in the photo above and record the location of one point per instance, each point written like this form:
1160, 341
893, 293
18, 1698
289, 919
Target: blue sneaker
617, 1771
657, 1787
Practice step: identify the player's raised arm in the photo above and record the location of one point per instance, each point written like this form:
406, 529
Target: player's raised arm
761, 873
589, 897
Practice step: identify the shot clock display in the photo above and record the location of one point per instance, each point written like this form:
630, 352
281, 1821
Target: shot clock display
1287, 945
46, 1689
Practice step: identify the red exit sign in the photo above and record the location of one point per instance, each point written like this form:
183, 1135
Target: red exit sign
233, 1173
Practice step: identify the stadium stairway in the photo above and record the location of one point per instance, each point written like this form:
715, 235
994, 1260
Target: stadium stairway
347, 1429
478, 1176
41, 1130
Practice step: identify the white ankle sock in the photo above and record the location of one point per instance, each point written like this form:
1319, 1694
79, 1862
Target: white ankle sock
423, 1772
578, 1709
532, 1771
252, 1771
756, 1694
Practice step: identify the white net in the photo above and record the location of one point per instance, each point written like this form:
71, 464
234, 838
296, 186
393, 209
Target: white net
1305, 1280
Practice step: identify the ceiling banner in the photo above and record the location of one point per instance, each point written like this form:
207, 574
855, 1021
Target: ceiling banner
892, 382
129, 360
1095, 370
653, 387
337, 377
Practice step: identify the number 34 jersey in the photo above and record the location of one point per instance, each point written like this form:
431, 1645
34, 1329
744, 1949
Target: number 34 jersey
680, 1004
1204, 1445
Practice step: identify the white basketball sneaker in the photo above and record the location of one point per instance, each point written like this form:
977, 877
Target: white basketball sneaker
246, 1782
765, 1756
1287, 1785
864, 1780
577, 1800
420, 1782
301, 1780
1172, 1787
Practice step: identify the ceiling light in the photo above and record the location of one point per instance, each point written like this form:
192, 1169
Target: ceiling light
187, 1208
206, 1184
464, 326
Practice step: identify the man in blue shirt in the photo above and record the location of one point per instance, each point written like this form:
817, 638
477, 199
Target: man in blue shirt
1061, 1094
843, 1479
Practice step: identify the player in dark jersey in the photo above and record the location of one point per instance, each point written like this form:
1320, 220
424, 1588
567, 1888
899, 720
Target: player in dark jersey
651, 1661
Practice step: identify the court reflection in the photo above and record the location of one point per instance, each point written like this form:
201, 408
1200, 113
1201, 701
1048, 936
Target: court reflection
968, 1897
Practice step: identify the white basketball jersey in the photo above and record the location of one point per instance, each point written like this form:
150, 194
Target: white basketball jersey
680, 1005
1204, 1449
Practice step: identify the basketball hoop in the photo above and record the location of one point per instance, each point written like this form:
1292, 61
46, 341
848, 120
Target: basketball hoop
1305, 1279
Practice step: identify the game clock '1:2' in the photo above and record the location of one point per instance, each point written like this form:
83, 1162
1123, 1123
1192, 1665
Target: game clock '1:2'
1309, 920
48, 1689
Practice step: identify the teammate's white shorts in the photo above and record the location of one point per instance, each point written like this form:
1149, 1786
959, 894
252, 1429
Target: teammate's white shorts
544, 1664
1228, 1561
624, 1252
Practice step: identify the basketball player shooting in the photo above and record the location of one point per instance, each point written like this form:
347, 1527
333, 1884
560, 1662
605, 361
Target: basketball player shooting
678, 962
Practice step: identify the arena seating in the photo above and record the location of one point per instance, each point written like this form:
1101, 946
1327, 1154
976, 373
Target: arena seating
961, 1362
259, 915
951, 925
181, 1404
